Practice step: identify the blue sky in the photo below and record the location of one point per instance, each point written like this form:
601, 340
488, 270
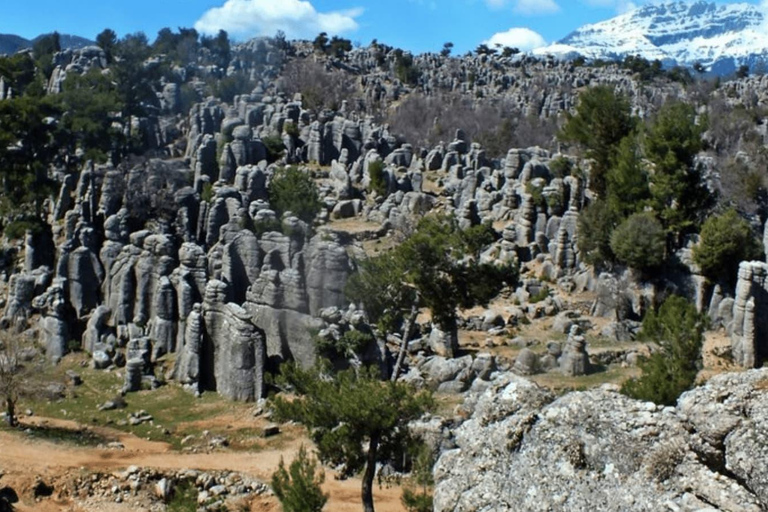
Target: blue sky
416, 25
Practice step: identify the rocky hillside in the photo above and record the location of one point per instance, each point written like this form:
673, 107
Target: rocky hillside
155, 240
523, 449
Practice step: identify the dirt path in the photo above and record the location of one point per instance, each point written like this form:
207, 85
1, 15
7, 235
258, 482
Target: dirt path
24, 459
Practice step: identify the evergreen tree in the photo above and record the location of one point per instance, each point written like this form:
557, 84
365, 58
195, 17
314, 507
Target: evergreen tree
726, 240
354, 418
627, 179
678, 193
107, 41
639, 242
596, 224
602, 120
293, 190
678, 329
298, 487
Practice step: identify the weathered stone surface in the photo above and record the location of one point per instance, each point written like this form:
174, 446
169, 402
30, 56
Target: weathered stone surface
749, 328
575, 360
236, 355
523, 450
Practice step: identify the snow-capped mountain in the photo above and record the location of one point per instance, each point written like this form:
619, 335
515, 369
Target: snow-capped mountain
720, 37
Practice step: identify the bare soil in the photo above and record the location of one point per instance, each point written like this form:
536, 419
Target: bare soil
23, 460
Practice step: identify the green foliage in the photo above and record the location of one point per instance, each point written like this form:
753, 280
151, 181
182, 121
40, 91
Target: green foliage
602, 120
627, 180
293, 190
405, 71
596, 223
417, 492
43, 49
339, 46
320, 43
91, 104
299, 487
180, 48
437, 267
447, 48
561, 167
107, 41
230, 86
18, 71
348, 345
27, 146
678, 329
541, 295
537, 193
678, 193
350, 412
184, 498
275, 147
639, 241
219, 48
207, 193
134, 79
726, 240
378, 181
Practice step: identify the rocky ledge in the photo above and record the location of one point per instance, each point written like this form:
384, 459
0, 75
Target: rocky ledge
523, 449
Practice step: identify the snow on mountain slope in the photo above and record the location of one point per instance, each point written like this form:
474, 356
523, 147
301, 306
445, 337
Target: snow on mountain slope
721, 37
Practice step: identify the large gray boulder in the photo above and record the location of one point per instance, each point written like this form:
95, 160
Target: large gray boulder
523, 450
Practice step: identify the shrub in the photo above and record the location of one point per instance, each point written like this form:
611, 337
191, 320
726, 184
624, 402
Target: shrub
378, 181
298, 487
275, 147
678, 329
725, 241
596, 223
349, 344
208, 193
184, 498
639, 241
293, 190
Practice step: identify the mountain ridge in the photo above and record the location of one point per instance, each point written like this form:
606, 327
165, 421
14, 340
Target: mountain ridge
720, 37
12, 43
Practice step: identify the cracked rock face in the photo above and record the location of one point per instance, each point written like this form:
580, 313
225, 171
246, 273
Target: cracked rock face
521, 449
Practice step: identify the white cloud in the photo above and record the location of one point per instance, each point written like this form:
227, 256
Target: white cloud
620, 6
297, 18
526, 7
522, 38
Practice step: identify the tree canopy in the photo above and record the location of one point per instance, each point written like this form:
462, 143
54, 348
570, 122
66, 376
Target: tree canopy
603, 118
678, 329
354, 418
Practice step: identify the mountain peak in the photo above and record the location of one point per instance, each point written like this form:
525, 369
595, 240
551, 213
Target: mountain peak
720, 37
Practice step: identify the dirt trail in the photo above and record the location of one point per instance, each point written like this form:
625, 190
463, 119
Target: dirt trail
23, 459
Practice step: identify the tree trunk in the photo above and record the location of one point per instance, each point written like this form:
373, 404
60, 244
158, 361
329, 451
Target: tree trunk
407, 330
11, 410
370, 472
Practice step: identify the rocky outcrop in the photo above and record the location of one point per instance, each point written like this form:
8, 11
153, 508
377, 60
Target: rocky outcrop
234, 351
749, 328
522, 449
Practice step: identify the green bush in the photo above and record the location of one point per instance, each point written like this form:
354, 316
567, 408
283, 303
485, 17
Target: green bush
208, 193
726, 240
350, 343
378, 182
293, 190
639, 241
417, 492
275, 147
596, 223
678, 329
298, 487
184, 498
